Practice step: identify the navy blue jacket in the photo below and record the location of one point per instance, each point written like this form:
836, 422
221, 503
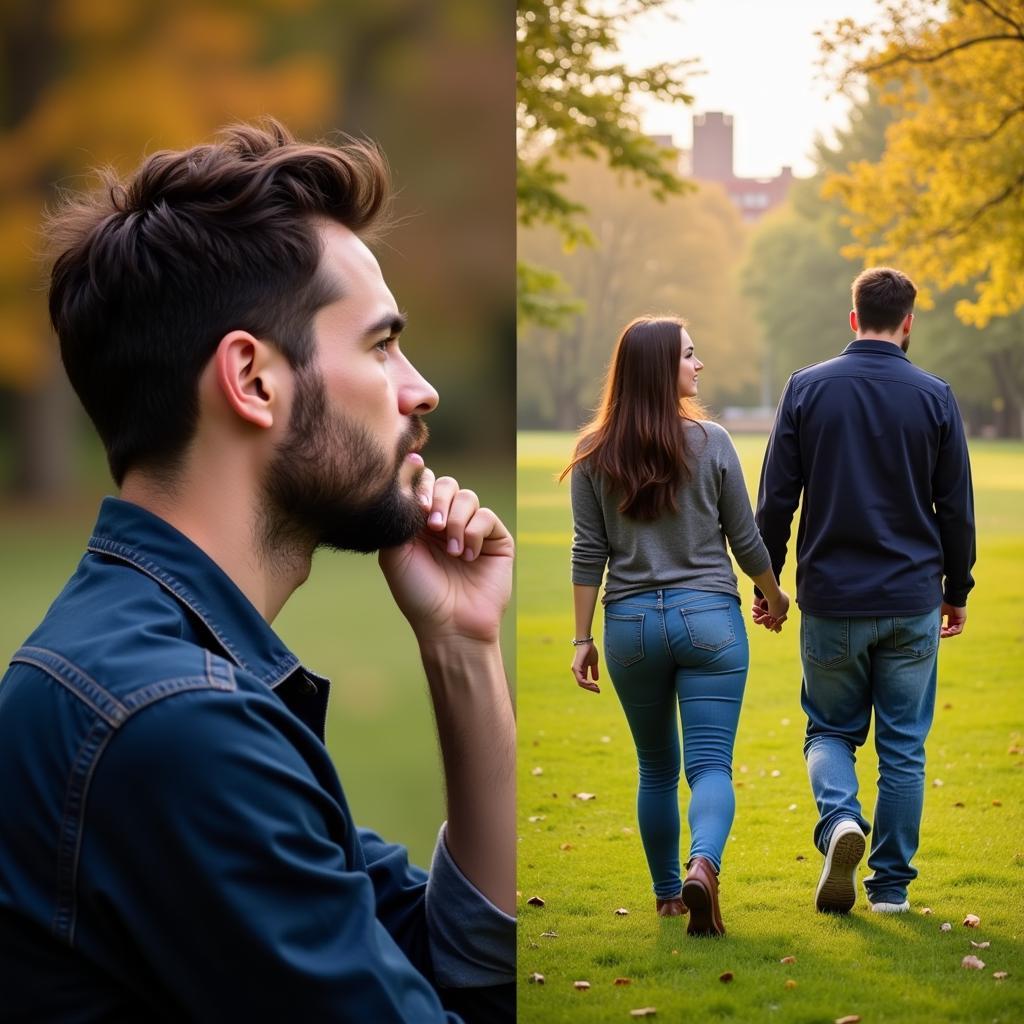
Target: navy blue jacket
174, 842
876, 445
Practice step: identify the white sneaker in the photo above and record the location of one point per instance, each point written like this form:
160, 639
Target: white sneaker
837, 887
890, 908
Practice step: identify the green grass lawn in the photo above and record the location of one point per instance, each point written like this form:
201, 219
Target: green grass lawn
341, 623
585, 858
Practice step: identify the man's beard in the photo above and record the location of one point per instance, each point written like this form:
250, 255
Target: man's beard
323, 487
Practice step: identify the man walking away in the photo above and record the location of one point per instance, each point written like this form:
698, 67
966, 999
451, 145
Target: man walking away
884, 552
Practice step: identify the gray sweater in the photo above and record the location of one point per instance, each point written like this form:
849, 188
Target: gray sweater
682, 550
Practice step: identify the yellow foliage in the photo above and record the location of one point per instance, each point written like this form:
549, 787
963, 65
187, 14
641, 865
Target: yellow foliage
946, 200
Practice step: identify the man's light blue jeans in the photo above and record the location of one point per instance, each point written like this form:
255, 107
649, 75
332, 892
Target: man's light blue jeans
688, 649
853, 667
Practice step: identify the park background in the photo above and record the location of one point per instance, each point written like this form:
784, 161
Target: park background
92, 82
914, 156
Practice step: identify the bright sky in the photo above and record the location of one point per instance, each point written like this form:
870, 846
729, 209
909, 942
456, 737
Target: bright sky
759, 60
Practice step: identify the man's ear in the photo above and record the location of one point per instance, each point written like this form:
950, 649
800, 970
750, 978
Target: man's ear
908, 323
853, 320
246, 371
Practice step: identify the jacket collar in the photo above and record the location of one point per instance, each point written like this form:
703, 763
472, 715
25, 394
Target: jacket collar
882, 348
150, 544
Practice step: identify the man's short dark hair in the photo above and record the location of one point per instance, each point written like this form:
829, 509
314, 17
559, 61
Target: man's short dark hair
882, 297
151, 272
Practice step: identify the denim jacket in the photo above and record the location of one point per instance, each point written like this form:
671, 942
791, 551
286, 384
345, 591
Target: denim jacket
174, 840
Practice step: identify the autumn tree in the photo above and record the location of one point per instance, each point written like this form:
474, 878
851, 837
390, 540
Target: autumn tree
574, 98
945, 200
676, 256
798, 280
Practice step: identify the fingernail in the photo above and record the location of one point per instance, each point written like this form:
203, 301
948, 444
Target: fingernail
454, 547
469, 556
436, 519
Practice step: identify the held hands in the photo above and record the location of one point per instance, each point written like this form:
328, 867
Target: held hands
951, 620
771, 613
453, 580
585, 661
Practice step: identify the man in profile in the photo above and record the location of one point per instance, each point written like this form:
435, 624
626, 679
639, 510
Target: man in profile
884, 554
174, 841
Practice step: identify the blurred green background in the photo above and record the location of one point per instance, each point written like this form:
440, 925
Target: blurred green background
85, 83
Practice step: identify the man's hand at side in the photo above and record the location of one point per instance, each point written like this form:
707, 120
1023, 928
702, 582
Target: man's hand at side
952, 620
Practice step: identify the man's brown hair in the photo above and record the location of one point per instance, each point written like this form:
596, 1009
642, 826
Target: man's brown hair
151, 272
882, 297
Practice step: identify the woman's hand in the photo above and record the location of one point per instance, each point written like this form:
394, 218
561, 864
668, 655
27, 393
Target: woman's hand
584, 662
778, 607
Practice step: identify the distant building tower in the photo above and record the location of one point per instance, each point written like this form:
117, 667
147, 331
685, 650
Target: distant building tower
712, 146
712, 161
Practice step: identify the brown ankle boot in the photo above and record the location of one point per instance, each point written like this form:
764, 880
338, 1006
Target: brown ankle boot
700, 891
671, 907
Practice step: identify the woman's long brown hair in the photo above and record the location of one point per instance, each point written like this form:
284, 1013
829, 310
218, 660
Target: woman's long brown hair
636, 440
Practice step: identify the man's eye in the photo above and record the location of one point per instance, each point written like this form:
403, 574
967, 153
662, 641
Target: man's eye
384, 344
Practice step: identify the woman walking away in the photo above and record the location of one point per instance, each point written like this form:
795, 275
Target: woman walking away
656, 490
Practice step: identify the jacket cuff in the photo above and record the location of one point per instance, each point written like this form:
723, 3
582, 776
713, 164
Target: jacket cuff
472, 942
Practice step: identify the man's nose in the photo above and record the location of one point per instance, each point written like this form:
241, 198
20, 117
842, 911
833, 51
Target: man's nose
416, 396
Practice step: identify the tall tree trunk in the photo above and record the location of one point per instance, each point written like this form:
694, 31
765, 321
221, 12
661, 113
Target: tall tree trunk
44, 428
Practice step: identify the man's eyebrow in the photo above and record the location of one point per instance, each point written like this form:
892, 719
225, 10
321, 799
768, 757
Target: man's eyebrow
393, 323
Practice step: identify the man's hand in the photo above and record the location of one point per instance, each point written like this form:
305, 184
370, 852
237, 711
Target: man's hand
454, 578
585, 660
762, 615
955, 620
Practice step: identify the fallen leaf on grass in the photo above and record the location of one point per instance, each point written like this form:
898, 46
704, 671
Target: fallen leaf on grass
788, 960
566, 846
644, 1011
549, 935
851, 1018
945, 927
980, 945
536, 771
725, 976
622, 981
621, 912
606, 739
959, 803
997, 803
535, 901
947, 707
581, 985
800, 856
972, 963
584, 796
776, 773
937, 783
972, 921
792, 807
999, 975
790, 983
926, 910
536, 979
534, 818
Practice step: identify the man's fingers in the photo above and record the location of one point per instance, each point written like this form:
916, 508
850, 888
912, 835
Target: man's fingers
444, 490
425, 488
477, 530
464, 506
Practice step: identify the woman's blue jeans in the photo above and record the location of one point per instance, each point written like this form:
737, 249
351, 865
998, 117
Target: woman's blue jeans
685, 648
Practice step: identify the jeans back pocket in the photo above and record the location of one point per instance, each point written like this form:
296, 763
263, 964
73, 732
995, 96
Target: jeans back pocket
624, 637
917, 636
825, 642
710, 629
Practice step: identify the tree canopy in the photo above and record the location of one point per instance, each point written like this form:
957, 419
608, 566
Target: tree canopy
573, 98
945, 200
